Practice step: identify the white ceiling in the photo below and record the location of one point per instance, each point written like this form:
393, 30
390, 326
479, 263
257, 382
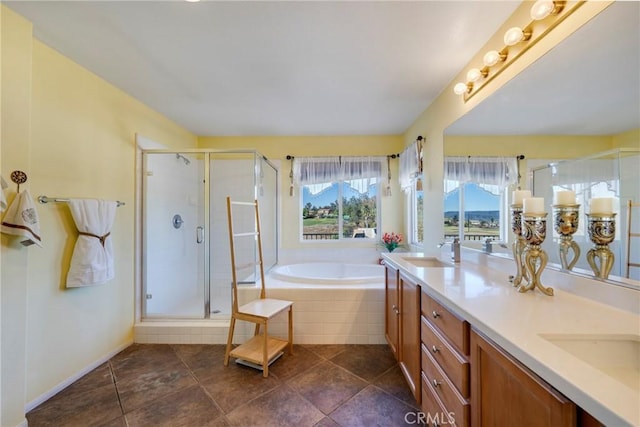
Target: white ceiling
273, 68
587, 85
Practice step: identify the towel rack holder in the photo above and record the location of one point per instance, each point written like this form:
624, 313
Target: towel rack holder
45, 199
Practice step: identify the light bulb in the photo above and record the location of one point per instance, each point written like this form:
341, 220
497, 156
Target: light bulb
541, 9
474, 75
513, 36
460, 88
491, 58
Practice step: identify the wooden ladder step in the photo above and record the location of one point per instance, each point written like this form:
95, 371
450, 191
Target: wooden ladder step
252, 233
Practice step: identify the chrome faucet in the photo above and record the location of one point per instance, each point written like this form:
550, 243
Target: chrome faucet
455, 248
487, 247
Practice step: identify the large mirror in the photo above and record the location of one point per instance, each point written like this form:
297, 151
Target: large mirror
580, 99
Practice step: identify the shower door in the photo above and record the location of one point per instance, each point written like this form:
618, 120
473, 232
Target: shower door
186, 263
173, 235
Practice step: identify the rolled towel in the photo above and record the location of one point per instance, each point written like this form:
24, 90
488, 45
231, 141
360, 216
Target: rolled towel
3, 199
21, 219
92, 259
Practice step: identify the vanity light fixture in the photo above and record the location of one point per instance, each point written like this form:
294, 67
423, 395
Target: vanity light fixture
492, 57
474, 74
545, 15
515, 35
461, 88
543, 8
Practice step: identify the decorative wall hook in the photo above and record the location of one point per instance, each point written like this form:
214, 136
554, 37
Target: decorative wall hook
18, 177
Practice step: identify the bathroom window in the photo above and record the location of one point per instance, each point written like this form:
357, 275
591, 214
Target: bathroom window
339, 197
473, 212
410, 180
475, 203
416, 215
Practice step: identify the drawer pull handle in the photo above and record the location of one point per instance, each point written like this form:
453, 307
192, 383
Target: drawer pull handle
435, 314
434, 349
436, 383
395, 309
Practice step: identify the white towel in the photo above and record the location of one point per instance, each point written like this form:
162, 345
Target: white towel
3, 199
92, 259
21, 219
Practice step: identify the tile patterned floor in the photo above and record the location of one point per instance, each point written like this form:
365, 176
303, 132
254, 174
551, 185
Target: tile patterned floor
187, 385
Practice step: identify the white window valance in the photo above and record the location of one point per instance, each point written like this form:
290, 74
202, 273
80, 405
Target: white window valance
409, 168
320, 172
493, 174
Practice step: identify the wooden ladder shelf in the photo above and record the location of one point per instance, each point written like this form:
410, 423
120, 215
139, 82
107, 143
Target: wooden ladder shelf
261, 350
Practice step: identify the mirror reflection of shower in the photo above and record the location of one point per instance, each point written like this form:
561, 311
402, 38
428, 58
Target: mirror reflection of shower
184, 159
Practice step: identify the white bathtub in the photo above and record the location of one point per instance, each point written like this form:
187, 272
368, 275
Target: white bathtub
326, 273
333, 303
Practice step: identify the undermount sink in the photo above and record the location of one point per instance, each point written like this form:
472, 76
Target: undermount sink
428, 262
616, 355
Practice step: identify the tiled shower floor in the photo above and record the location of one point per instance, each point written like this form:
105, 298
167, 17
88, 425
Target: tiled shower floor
187, 385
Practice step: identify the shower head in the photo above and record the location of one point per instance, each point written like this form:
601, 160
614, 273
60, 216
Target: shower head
184, 159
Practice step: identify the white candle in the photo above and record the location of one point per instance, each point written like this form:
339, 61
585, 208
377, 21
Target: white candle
601, 205
533, 205
519, 196
566, 197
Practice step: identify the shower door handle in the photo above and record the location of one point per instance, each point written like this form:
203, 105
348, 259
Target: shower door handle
199, 234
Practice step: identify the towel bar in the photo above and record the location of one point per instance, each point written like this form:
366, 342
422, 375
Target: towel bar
45, 199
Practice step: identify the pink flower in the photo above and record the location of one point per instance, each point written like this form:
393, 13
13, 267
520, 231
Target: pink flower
391, 240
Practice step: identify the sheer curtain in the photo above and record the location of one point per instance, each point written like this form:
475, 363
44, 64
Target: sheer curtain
361, 172
493, 174
318, 173
409, 166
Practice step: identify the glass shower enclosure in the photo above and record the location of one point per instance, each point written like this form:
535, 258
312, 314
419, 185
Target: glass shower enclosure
186, 264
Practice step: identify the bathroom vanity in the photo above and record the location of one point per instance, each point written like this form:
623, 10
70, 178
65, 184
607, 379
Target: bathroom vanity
477, 352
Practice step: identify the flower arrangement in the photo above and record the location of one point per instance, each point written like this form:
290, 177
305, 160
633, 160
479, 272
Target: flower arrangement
391, 240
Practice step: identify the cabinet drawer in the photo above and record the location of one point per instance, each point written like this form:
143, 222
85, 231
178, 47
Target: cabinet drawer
457, 406
433, 410
454, 365
453, 328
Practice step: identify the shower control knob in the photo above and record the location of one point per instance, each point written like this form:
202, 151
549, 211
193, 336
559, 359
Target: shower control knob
177, 221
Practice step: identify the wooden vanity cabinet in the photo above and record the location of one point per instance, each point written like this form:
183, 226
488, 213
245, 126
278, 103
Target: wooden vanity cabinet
392, 308
505, 392
402, 325
445, 363
410, 334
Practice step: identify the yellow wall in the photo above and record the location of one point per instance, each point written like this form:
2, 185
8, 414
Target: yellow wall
548, 147
73, 134
15, 119
532, 147
277, 148
630, 139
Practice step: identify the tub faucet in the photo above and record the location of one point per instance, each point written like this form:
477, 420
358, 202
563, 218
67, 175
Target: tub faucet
455, 248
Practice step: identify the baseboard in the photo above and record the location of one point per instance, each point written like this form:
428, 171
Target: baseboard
67, 382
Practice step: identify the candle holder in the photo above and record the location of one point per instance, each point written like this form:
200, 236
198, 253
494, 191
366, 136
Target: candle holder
534, 231
602, 231
565, 221
518, 246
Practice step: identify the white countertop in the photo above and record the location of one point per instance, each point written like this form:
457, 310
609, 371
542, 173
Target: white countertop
484, 297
